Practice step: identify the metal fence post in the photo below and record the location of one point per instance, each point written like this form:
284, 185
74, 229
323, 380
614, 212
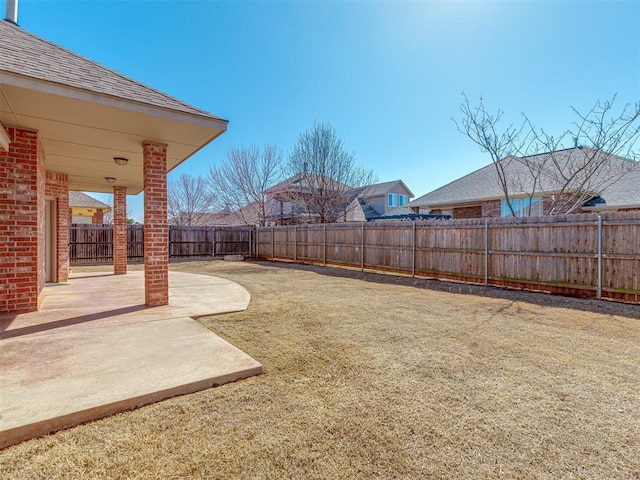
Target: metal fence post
362, 248
599, 255
486, 252
413, 254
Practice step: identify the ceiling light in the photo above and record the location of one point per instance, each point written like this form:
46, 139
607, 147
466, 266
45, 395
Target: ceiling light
121, 160
110, 179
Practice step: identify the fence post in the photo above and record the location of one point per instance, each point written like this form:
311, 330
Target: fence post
273, 243
362, 248
250, 241
324, 246
486, 252
295, 244
413, 254
256, 237
599, 255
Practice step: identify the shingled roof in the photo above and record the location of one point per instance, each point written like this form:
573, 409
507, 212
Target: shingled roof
483, 184
379, 189
25, 54
81, 199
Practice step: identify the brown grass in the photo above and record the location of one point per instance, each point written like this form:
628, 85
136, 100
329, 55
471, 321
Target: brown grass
373, 377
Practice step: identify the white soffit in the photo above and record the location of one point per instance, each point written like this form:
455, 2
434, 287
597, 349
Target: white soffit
82, 131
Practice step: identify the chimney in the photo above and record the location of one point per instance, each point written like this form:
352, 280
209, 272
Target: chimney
12, 11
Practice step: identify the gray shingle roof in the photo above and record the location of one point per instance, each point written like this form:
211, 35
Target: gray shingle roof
398, 211
80, 199
624, 193
379, 189
359, 210
25, 54
483, 184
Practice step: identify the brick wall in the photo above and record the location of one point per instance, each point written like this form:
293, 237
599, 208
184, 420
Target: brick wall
98, 217
467, 212
21, 222
57, 185
491, 209
156, 250
119, 230
546, 206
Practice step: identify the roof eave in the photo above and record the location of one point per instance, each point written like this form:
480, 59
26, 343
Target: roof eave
52, 88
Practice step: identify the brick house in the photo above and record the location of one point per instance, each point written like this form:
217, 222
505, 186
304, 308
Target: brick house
68, 123
479, 194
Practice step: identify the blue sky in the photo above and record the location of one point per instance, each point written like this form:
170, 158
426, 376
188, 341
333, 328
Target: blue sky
388, 75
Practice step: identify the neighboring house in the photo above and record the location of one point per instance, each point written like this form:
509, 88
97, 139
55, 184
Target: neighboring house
479, 194
86, 209
374, 201
357, 204
291, 201
68, 123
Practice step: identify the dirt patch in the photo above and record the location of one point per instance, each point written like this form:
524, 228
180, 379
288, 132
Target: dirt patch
373, 376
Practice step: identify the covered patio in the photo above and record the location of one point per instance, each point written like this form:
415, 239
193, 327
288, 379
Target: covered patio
67, 123
94, 349
75, 349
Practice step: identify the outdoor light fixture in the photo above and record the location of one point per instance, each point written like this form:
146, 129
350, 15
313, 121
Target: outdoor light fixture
121, 160
110, 179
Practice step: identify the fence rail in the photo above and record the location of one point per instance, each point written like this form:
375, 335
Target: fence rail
91, 244
582, 254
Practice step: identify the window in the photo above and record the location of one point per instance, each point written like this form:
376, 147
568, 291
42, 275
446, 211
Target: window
392, 200
404, 199
523, 207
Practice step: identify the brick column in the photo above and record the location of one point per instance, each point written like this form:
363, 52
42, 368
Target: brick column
119, 230
156, 232
98, 217
21, 222
57, 185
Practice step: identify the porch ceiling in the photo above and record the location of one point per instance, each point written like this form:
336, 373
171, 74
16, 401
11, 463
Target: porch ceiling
82, 131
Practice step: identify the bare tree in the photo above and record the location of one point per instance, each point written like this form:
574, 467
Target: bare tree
189, 199
325, 174
502, 145
604, 142
531, 163
242, 179
107, 217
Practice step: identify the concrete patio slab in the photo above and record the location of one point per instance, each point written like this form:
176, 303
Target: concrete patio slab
94, 350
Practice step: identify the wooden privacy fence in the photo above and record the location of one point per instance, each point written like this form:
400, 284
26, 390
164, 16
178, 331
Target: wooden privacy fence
585, 254
94, 243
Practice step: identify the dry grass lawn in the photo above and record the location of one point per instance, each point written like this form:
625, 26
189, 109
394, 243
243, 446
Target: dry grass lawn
378, 377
